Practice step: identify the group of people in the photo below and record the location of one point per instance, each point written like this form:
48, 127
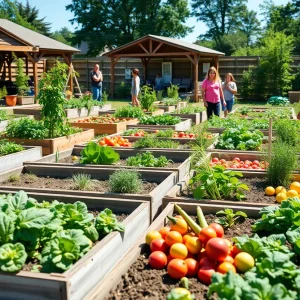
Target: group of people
213, 90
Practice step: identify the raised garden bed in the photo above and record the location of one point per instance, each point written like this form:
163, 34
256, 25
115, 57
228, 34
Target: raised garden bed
196, 118
25, 100
15, 160
92, 268
101, 128
50, 146
4, 123
185, 124
157, 112
56, 180
180, 161
134, 279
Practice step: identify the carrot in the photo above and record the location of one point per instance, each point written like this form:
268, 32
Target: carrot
194, 226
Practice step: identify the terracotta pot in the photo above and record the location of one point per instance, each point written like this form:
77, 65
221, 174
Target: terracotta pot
11, 100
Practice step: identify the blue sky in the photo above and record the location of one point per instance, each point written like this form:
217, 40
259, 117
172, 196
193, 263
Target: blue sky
55, 13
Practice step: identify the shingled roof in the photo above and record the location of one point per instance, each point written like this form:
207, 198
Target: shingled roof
32, 38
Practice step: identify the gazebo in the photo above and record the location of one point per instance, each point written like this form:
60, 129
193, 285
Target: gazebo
151, 47
32, 46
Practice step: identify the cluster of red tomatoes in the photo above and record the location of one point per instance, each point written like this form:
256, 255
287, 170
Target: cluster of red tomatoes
187, 255
116, 141
237, 163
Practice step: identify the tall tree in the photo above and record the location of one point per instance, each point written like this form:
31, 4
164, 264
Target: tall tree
221, 17
116, 22
31, 15
64, 35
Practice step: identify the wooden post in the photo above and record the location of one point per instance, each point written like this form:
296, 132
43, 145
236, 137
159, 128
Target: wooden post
26, 65
112, 77
216, 62
35, 76
144, 62
9, 60
196, 62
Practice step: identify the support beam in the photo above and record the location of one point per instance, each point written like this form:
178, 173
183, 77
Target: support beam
169, 54
144, 62
26, 65
9, 59
112, 77
19, 48
158, 46
143, 48
35, 75
150, 46
196, 63
190, 58
216, 62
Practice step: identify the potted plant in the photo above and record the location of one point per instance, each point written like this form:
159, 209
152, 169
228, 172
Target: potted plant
22, 85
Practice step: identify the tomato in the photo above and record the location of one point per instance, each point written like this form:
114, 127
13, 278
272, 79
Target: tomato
169, 258
186, 236
237, 159
206, 234
234, 251
218, 229
173, 237
205, 274
193, 267
229, 259
156, 131
181, 134
163, 231
217, 249
201, 254
256, 162
225, 267
244, 262
157, 260
159, 245
152, 235
207, 262
215, 159
191, 135
193, 245
177, 268
179, 250
180, 226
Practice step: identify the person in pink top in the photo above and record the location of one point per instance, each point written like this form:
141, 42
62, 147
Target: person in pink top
212, 92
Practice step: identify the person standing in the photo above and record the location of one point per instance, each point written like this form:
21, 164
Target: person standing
135, 87
212, 92
158, 83
229, 90
96, 78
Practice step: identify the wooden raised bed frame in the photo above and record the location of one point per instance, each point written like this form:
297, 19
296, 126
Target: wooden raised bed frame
196, 118
114, 276
92, 268
165, 180
50, 146
157, 112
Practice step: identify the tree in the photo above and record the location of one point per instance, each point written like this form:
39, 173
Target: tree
116, 22
64, 35
221, 17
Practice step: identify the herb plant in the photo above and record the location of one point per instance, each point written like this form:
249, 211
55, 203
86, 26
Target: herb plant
82, 182
147, 159
21, 78
190, 109
147, 98
170, 101
168, 133
159, 120
125, 181
229, 217
150, 142
172, 91
129, 112
93, 153
7, 147
3, 115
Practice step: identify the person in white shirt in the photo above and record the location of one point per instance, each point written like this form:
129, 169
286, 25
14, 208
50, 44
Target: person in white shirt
229, 90
135, 87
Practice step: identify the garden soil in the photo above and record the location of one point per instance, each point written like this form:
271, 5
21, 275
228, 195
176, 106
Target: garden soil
142, 282
33, 181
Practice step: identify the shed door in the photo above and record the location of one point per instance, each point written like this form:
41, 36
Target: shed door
167, 72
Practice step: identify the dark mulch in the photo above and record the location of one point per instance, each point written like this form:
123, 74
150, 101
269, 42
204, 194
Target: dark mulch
142, 282
255, 194
34, 262
121, 162
33, 181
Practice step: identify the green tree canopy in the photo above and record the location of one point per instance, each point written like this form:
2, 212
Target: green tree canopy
116, 22
64, 35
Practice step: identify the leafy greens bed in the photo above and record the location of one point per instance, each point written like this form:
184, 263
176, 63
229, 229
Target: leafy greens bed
55, 234
159, 120
7, 147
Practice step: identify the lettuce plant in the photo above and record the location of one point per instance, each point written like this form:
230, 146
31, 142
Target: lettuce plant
93, 153
107, 222
12, 257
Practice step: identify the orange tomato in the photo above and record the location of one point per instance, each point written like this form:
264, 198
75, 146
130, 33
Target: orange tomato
225, 267
102, 143
229, 259
186, 236
193, 267
206, 234
173, 237
193, 244
152, 235
179, 225
177, 268
179, 250
163, 231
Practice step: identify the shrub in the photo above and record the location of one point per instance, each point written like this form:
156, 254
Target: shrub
129, 112
147, 98
122, 90
82, 182
125, 181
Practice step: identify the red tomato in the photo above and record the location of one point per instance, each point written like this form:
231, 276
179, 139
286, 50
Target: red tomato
201, 255
181, 134
159, 245
206, 234
218, 229
177, 268
207, 262
235, 251
256, 162
169, 258
225, 267
215, 159
217, 249
237, 159
222, 160
245, 166
204, 275
157, 260
193, 267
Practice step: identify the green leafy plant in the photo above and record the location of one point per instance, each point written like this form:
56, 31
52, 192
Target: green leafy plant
150, 142
122, 90
230, 217
281, 162
147, 159
167, 133
3, 115
82, 182
3, 92
93, 153
278, 101
190, 109
287, 132
85, 101
7, 147
170, 101
125, 181
12, 257
104, 97
21, 78
147, 98
159, 120
172, 91
107, 222
14, 178
129, 112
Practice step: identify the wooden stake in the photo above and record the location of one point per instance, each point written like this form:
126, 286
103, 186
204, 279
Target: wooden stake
270, 139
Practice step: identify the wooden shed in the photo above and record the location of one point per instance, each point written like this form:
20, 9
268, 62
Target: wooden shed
31, 46
174, 59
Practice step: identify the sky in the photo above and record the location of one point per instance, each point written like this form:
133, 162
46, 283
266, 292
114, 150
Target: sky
56, 13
